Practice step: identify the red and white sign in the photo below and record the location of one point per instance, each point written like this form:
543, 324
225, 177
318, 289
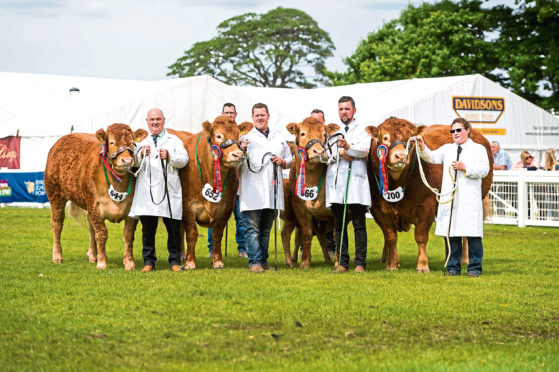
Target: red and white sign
9, 152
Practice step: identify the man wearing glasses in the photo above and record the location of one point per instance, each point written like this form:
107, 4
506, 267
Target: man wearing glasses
465, 163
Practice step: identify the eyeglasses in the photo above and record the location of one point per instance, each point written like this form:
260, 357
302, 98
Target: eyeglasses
457, 130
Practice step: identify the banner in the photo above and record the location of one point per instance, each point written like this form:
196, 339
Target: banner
22, 187
9, 152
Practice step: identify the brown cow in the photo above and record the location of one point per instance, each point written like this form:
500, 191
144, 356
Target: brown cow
76, 172
200, 170
310, 136
418, 205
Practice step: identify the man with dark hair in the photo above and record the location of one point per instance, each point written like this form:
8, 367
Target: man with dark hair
260, 189
319, 115
346, 182
230, 111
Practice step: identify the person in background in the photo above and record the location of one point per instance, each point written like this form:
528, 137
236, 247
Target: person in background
266, 150
160, 156
230, 111
551, 163
501, 160
352, 166
468, 164
527, 161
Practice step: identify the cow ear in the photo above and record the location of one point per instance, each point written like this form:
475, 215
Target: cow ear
101, 135
245, 127
331, 129
292, 128
373, 131
418, 130
207, 126
140, 134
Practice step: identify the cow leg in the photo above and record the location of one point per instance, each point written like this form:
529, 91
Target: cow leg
191, 230
57, 214
306, 240
465, 258
321, 236
130, 225
297, 241
92, 251
182, 248
384, 257
391, 244
421, 238
217, 235
101, 234
288, 227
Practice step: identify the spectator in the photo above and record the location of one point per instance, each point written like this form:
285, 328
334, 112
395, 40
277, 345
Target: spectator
527, 161
230, 111
501, 160
551, 163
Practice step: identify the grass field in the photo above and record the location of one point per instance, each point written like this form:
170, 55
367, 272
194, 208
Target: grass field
73, 317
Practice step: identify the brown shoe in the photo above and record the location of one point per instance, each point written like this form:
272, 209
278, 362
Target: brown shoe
176, 268
341, 270
359, 269
256, 269
148, 268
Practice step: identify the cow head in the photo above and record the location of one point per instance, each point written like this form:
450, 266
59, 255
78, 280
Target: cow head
225, 133
118, 142
312, 135
394, 133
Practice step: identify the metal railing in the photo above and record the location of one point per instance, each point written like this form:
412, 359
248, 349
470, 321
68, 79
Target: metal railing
522, 198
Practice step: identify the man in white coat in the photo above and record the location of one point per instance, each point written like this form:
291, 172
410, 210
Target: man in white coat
160, 156
261, 186
353, 148
467, 162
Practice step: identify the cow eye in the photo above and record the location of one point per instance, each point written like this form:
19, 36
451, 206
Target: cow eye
111, 143
386, 138
219, 137
303, 134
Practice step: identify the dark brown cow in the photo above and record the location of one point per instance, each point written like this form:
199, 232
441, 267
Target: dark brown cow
200, 171
310, 135
419, 204
75, 172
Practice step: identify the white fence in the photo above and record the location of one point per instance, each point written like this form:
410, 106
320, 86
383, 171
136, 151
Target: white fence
522, 197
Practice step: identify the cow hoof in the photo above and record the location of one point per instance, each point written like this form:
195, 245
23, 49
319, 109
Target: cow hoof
101, 265
57, 260
423, 270
305, 266
129, 266
391, 268
189, 266
218, 265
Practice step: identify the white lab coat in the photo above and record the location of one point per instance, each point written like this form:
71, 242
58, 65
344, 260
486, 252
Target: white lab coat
467, 209
359, 192
256, 190
142, 204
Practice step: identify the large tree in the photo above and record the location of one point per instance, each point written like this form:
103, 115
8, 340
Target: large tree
529, 50
441, 39
281, 48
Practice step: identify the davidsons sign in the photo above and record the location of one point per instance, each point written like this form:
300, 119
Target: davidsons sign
479, 110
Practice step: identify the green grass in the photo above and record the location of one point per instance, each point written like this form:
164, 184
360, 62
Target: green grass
72, 316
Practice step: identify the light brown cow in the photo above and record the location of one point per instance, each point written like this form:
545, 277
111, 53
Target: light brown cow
76, 172
200, 170
418, 205
310, 135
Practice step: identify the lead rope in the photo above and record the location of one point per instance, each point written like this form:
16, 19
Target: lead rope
300, 184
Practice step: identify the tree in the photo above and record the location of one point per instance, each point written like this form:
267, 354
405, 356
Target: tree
441, 39
282, 48
529, 46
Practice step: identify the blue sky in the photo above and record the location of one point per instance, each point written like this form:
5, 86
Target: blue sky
138, 39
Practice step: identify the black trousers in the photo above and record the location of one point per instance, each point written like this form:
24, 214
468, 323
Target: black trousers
149, 228
357, 212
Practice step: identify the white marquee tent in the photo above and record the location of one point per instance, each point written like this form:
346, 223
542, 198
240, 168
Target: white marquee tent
40, 109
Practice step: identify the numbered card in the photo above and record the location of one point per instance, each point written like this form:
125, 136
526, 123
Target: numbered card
117, 196
209, 194
310, 193
394, 196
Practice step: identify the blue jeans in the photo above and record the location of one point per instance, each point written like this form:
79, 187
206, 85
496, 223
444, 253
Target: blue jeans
258, 224
475, 254
240, 230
